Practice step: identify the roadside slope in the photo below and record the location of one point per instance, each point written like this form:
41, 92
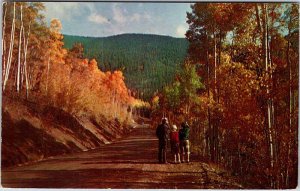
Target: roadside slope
31, 132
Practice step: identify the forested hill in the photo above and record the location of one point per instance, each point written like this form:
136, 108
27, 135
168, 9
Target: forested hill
147, 61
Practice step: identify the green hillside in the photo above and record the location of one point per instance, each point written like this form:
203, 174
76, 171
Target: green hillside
147, 61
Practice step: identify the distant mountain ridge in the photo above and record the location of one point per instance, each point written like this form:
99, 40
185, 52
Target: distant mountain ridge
126, 34
148, 61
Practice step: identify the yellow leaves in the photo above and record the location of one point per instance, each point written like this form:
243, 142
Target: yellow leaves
155, 102
236, 78
155, 99
238, 88
137, 103
55, 26
225, 58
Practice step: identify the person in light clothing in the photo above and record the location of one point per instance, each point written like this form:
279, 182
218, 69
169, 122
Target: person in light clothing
174, 140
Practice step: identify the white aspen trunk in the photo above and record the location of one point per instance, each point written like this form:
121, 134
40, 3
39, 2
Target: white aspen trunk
215, 62
269, 101
258, 18
19, 54
232, 44
210, 126
29, 74
270, 106
273, 122
26, 82
24, 47
25, 62
263, 28
22, 74
3, 41
9, 60
219, 63
290, 104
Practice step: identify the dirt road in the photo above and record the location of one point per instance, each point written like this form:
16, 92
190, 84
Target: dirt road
128, 163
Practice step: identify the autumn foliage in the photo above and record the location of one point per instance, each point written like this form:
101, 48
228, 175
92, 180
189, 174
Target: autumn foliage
246, 117
55, 76
238, 87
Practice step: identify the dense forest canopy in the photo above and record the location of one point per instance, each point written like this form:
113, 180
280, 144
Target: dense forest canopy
148, 62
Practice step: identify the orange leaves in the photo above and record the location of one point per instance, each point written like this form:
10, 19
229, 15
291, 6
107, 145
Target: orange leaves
78, 86
117, 83
222, 12
238, 86
55, 26
228, 15
93, 65
250, 102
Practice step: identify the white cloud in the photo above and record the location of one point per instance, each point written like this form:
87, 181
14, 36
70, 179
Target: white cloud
135, 17
62, 10
147, 16
121, 16
181, 30
118, 14
114, 29
97, 18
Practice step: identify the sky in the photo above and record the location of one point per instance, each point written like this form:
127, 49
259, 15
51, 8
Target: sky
101, 19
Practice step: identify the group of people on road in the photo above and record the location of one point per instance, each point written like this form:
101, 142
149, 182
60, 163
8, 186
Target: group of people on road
179, 141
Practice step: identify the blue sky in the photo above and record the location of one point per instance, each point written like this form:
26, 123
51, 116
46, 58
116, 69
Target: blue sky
106, 19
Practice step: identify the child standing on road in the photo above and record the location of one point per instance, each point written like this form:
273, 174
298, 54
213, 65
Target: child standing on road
174, 138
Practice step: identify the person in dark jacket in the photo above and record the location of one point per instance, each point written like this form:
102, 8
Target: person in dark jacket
184, 134
162, 132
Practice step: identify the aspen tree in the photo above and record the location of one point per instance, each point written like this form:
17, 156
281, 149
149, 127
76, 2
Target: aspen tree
11, 47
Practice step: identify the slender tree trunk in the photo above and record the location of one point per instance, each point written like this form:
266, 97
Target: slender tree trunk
290, 105
273, 106
25, 61
3, 40
210, 128
219, 63
217, 122
257, 18
24, 47
9, 60
269, 100
215, 94
232, 44
215, 62
19, 54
